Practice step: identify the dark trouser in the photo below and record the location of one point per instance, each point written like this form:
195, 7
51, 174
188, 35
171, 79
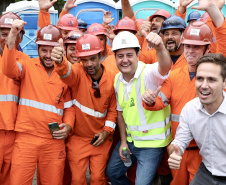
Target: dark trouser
204, 177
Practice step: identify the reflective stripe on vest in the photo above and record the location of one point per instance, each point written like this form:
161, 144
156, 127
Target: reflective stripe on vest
164, 98
68, 104
154, 137
20, 67
175, 117
69, 71
9, 97
89, 111
42, 106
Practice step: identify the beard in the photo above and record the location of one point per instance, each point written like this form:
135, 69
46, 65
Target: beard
47, 66
171, 49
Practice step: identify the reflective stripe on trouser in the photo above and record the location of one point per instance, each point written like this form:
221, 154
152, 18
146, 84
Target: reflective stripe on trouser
188, 167
29, 151
6, 148
80, 152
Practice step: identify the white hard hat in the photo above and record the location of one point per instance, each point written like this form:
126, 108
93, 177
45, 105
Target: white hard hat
125, 39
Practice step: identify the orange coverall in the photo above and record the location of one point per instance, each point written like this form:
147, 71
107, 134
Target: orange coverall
177, 90
93, 115
9, 98
43, 100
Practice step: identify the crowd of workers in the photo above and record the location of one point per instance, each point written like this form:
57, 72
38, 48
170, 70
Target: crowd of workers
158, 90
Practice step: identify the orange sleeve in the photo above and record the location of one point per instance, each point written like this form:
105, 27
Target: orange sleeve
68, 73
214, 45
221, 38
159, 104
111, 113
10, 67
148, 57
69, 110
179, 14
109, 51
43, 19
63, 12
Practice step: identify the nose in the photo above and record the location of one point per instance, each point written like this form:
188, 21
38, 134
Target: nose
48, 55
204, 84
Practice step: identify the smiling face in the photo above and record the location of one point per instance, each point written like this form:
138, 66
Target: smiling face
171, 39
45, 56
193, 53
127, 61
156, 24
209, 85
71, 49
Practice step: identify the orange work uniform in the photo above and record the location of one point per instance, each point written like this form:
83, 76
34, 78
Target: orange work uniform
93, 115
43, 100
110, 63
9, 97
177, 90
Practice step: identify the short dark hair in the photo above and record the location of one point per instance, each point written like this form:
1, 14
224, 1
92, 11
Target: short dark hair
137, 49
214, 58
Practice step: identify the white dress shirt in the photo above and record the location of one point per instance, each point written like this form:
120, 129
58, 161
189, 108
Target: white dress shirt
152, 80
209, 132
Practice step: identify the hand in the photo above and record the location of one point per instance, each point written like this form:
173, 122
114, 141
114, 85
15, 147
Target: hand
146, 26
17, 26
175, 157
45, 5
107, 18
154, 40
110, 31
69, 5
185, 3
150, 96
204, 5
102, 136
63, 133
58, 53
123, 144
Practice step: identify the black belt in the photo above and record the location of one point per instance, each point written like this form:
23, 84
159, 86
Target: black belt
192, 148
221, 178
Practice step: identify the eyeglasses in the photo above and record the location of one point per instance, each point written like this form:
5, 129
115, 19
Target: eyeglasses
97, 92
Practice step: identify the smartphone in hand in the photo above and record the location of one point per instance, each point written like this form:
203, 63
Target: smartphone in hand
53, 127
94, 140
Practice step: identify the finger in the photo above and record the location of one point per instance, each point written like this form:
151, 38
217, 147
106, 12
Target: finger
62, 125
144, 33
157, 91
52, 3
61, 43
148, 18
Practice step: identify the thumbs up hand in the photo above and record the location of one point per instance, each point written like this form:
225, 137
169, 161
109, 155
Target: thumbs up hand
150, 96
146, 26
58, 52
175, 156
154, 40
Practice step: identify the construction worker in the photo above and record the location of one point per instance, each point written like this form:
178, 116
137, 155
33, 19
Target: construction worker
193, 16
66, 23
99, 30
95, 105
179, 89
70, 45
203, 119
43, 99
143, 141
9, 96
172, 30
82, 26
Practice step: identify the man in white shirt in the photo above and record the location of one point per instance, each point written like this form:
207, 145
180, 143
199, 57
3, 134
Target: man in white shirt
203, 119
144, 133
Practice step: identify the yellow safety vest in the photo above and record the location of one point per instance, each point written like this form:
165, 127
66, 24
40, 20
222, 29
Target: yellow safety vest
145, 128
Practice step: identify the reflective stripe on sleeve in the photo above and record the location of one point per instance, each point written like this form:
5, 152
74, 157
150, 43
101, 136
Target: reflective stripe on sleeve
41, 106
89, 111
110, 124
175, 117
69, 71
164, 98
9, 97
68, 104
153, 137
20, 67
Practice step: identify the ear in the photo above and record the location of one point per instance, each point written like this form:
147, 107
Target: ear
207, 49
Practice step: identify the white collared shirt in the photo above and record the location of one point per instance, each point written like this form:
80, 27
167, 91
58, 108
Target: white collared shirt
209, 132
152, 79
